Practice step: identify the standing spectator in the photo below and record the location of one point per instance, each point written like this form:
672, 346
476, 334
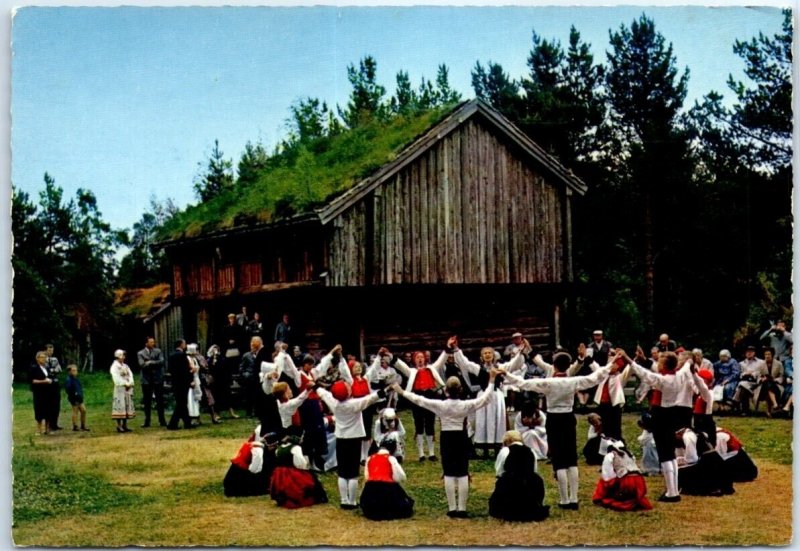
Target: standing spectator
665, 344
75, 397
151, 362
232, 335
53, 369
599, 348
753, 374
241, 318
248, 375
40, 380
283, 331
726, 374
518, 342
780, 339
255, 328
122, 405
585, 366
181, 375
788, 376
207, 380
195, 392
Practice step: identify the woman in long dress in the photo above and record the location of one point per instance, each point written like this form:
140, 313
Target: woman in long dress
195, 392
519, 490
122, 405
490, 422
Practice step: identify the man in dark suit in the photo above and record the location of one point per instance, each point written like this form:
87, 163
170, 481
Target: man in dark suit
181, 375
599, 348
151, 362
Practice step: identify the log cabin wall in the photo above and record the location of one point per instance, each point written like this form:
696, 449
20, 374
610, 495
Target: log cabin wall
469, 210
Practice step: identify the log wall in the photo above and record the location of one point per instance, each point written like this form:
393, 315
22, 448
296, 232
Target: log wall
469, 210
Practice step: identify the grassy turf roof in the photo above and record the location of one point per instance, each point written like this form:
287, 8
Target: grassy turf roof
309, 177
140, 302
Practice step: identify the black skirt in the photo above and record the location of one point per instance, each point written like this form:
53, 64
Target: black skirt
348, 457
663, 433
706, 477
561, 439
741, 467
591, 451
241, 483
455, 453
385, 501
518, 498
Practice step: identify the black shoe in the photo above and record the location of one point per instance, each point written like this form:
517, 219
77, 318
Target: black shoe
573, 506
452, 514
55, 429
75, 429
664, 498
421, 458
214, 421
190, 426
348, 506
126, 429
461, 514
86, 429
432, 458
565, 505
146, 426
120, 429
172, 428
162, 423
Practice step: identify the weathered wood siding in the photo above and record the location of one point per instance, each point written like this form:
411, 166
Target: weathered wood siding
167, 327
471, 209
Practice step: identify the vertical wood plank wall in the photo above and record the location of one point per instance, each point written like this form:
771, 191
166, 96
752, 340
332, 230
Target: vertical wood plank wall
469, 210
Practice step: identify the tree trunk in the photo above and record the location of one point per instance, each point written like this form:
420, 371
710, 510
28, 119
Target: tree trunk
88, 362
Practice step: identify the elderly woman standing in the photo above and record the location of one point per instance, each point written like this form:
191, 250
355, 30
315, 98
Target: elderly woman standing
195, 391
40, 381
122, 405
490, 422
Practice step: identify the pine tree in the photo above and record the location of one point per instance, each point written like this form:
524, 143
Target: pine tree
217, 177
497, 88
366, 98
254, 160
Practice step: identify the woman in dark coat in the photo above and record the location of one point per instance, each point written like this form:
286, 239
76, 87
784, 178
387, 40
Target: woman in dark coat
40, 386
519, 490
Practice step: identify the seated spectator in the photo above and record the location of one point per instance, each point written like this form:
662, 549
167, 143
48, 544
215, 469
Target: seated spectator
753, 375
726, 375
772, 388
665, 344
292, 485
382, 497
788, 375
621, 486
519, 490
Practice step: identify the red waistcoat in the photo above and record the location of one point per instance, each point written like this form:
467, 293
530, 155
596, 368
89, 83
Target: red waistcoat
380, 468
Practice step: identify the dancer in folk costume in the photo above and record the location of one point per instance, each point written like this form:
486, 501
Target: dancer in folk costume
381, 375
519, 490
389, 426
560, 393
358, 389
423, 380
738, 463
701, 469
251, 467
195, 392
122, 407
650, 462
332, 367
349, 434
531, 423
292, 485
594, 440
676, 388
453, 413
491, 421
703, 420
610, 398
382, 497
621, 486
312, 418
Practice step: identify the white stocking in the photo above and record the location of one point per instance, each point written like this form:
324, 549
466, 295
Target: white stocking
450, 492
342, 490
669, 479
675, 476
463, 492
561, 479
430, 445
572, 479
421, 444
352, 491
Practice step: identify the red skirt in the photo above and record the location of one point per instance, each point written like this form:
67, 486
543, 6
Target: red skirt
293, 488
628, 493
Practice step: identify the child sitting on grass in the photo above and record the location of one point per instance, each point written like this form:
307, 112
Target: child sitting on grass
75, 397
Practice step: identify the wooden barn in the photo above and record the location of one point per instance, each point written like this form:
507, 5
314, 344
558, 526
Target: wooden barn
467, 231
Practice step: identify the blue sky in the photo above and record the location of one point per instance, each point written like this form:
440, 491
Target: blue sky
127, 101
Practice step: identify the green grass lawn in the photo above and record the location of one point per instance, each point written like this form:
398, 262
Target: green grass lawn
158, 487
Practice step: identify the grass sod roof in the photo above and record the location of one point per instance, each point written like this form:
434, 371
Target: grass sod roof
140, 303
315, 174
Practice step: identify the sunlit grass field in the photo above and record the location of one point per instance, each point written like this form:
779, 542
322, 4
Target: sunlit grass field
164, 488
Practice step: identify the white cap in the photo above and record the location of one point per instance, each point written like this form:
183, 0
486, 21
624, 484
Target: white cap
389, 413
119, 353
